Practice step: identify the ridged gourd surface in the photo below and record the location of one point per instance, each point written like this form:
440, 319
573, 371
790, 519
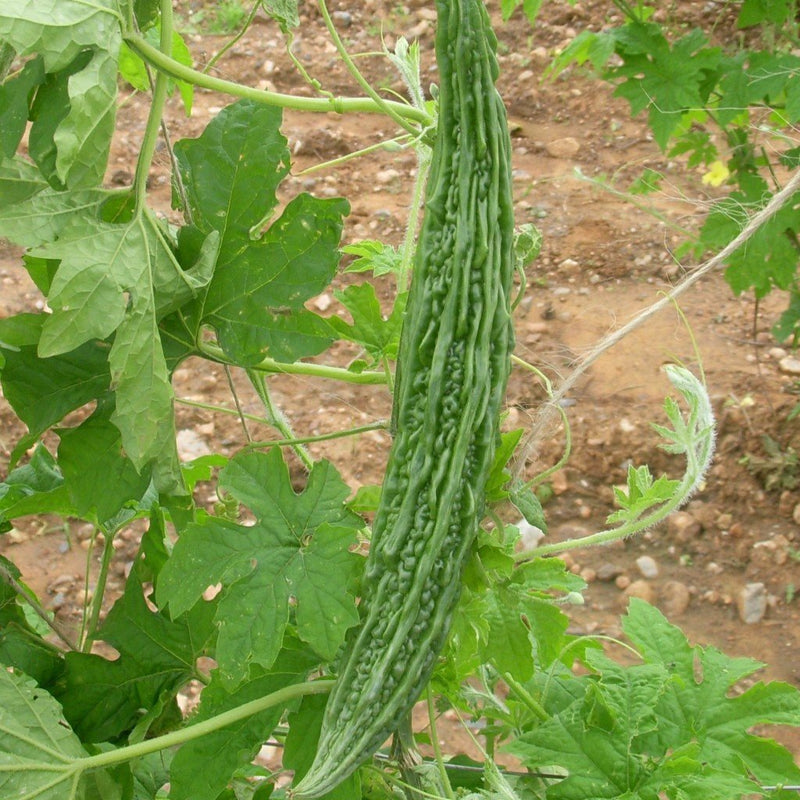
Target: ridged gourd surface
451, 378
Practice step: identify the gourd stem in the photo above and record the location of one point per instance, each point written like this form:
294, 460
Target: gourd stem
526, 697
277, 418
7, 578
200, 729
99, 589
340, 105
235, 38
437, 748
417, 201
160, 85
382, 104
215, 353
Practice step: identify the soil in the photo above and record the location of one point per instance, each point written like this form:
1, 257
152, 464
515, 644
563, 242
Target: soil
603, 259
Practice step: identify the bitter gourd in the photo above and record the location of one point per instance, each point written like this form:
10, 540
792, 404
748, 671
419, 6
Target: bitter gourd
452, 371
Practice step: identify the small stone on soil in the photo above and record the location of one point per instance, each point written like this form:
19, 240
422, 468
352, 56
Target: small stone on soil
608, 572
790, 365
683, 526
675, 597
641, 589
752, 603
647, 566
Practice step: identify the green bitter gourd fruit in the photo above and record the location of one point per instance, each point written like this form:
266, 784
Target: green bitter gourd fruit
452, 371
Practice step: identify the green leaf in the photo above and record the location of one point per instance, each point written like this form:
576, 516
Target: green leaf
262, 280
768, 259
35, 488
509, 644
21, 644
596, 48
698, 706
298, 550
102, 698
15, 100
202, 768
19, 180
60, 29
641, 494
79, 126
43, 390
132, 68
36, 744
669, 80
284, 12
150, 773
41, 216
499, 475
301, 746
118, 278
758, 12
372, 255
530, 506
379, 335
366, 500
100, 477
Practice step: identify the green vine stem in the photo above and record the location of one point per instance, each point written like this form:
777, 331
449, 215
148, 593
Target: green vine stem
340, 105
437, 748
378, 425
200, 729
397, 143
277, 418
234, 39
530, 702
382, 104
10, 581
695, 439
215, 353
151, 132
410, 240
381, 425
100, 588
548, 387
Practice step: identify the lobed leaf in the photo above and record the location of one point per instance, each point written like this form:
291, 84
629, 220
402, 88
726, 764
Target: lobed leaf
38, 749
202, 768
296, 557
262, 279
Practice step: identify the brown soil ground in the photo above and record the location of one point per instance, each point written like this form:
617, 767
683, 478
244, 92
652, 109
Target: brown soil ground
603, 259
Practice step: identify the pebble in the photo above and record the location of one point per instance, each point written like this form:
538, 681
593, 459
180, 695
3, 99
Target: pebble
641, 589
622, 582
647, 566
786, 503
724, 521
568, 147
608, 572
675, 598
529, 535
777, 353
558, 482
790, 365
190, 445
752, 603
344, 18
387, 175
588, 574
683, 526
323, 302
772, 551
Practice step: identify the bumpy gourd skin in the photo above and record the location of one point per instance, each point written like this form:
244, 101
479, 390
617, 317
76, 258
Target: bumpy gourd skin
452, 372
